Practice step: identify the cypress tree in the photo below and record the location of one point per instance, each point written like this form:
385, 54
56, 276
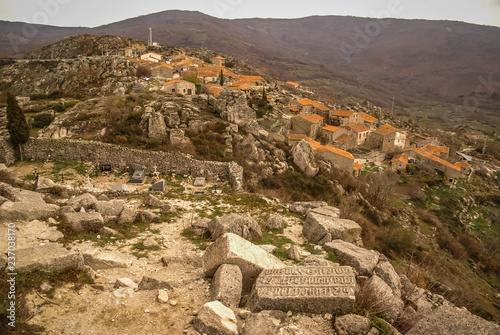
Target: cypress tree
221, 80
264, 94
17, 126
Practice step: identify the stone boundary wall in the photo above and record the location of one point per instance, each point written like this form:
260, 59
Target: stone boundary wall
119, 157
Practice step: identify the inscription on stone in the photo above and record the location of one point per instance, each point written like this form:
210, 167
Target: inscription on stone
305, 289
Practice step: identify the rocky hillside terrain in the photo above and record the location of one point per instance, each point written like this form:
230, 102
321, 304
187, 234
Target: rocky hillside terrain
292, 254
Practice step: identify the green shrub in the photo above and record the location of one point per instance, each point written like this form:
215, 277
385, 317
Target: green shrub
42, 120
394, 237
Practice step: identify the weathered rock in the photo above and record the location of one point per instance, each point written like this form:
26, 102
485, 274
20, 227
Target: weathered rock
268, 247
110, 208
317, 260
86, 201
303, 207
123, 292
263, 323
49, 257
232, 105
233, 249
31, 207
127, 215
147, 217
99, 260
178, 136
293, 253
379, 297
106, 231
275, 221
2, 200
162, 296
150, 243
362, 260
352, 324
317, 226
152, 282
81, 222
454, 321
227, 285
215, 318
44, 183
303, 157
241, 225
305, 289
52, 235
126, 282
156, 125
200, 227
103, 197
172, 119
154, 201
386, 272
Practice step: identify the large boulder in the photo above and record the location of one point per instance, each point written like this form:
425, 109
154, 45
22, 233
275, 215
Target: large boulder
448, 320
215, 318
156, 125
50, 257
227, 285
83, 222
23, 205
275, 221
241, 225
86, 201
362, 260
44, 183
386, 272
379, 297
99, 260
233, 249
110, 208
303, 157
318, 226
302, 208
352, 324
232, 105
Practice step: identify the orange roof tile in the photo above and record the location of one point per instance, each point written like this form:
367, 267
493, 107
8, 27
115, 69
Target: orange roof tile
162, 65
307, 102
292, 83
357, 167
421, 137
294, 109
358, 127
385, 130
343, 139
402, 159
313, 118
436, 149
335, 150
430, 156
368, 118
331, 128
462, 165
338, 112
312, 143
296, 137
250, 79
175, 81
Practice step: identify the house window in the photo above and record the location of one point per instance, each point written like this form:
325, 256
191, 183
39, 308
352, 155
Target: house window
173, 90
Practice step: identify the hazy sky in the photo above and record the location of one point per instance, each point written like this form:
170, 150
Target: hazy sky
91, 13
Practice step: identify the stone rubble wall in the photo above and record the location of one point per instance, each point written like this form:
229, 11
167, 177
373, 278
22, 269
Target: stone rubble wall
119, 158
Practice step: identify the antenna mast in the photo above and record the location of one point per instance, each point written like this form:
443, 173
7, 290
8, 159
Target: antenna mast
150, 42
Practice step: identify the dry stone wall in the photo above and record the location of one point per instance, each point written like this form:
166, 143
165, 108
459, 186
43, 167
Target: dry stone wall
120, 157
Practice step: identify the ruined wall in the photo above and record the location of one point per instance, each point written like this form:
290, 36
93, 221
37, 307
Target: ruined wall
120, 157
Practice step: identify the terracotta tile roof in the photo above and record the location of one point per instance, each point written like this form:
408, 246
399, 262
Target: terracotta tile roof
292, 83
313, 118
358, 127
462, 165
343, 139
368, 118
335, 150
436, 149
314, 144
331, 128
162, 65
179, 57
385, 130
421, 137
175, 81
141, 61
186, 61
309, 102
338, 112
250, 79
214, 89
220, 57
294, 109
436, 159
239, 85
402, 159
357, 167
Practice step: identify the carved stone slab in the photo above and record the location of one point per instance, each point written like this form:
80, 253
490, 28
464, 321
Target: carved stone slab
305, 289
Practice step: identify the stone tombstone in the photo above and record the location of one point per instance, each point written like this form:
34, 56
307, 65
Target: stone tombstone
106, 168
139, 174
313, 289
119, 187
199, 182
159, 186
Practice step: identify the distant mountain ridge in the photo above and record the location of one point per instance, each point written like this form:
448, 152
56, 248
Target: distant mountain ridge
438, 60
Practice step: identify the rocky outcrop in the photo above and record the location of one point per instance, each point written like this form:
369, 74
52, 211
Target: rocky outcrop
241, 225
320, 224
303, 157
23, 205
362, 260
275, 221
352, 324
49, 258
232, 106
156, 125
227, 285
83, 222
215, 318
86, 201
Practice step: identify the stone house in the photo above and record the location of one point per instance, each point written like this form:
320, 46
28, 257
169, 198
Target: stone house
218, 61
293, 139
162, 70
189, 64
307, 106
342, 118
176, 58
369, 121
310, 125
427, 158
254, 81
387, 139
179, 86
152, 57
400, 163
129, 52
241, 86
465, 168
331, 133
341, 159
436, 150
346, 142
214, 89
359, 131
